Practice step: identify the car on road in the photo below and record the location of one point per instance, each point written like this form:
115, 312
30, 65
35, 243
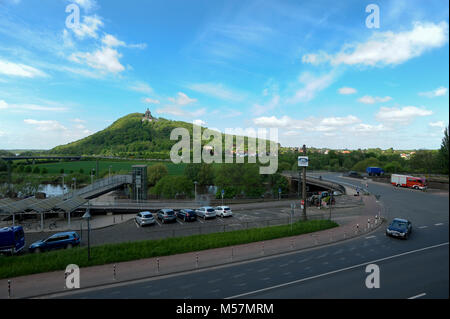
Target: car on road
400, 228
166, 216
187, 215
145, 218
223, 211
206, 212
65, 240
12, 240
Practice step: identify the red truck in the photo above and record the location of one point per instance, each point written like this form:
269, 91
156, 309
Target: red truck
409, 181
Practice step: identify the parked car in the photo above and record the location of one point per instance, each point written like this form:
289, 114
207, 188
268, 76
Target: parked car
188, 215
206, 212
223, 211
166, 216
12, 240
400, 228
57, 241
145, 218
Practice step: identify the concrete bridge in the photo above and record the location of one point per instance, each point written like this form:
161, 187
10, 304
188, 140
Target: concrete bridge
313, 183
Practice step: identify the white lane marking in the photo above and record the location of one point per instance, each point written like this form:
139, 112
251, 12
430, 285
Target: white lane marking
284, 265
220, 220
200, 220
334, 272
322, 256
180, 222
238, 275
422, 227
263, 269
418, 296
287, 273
266, 278
214, 291
439, 224
370, 237
157, 222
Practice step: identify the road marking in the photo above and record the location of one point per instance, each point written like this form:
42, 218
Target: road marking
418, 296
287, 273
200, 220
266, 278
322, 256
179, 221
439, 224
422, 227
284, 265
263, 269
238, 275
215, 291
157, 222
334, 272
370, 237
220, 220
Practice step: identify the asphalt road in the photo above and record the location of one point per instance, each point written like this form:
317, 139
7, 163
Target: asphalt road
417, 267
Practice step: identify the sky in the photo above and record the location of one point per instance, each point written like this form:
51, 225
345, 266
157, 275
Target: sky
315, 70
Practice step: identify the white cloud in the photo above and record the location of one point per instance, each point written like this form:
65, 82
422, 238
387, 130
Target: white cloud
182, 99
111, 41
141, 87
258, 109
312, 85
86, 4
347, 91
106, 59
216, 90
3, 105
199, 122
372, 100
30, 107
76, 120
150, 101
89, 27
439, 124
388, 48
367, 128
178, 111
441, 91
402, 115
46, 126
20, 70
310, 124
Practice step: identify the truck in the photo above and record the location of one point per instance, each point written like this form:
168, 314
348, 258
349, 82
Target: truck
12, 240
374, 171
408, 181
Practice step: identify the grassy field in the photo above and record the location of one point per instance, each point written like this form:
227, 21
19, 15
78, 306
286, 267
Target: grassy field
116, 166
58, 260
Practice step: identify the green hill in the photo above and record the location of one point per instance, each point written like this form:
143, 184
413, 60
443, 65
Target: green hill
128, 136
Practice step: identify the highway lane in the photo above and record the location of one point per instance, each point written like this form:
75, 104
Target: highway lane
402, 277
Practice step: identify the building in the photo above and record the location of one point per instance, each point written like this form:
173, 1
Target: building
148, 116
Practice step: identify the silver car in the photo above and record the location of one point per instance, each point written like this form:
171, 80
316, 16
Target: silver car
145, 218
206, 212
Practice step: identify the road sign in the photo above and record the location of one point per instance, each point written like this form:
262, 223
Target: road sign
279, 190
303, 161
302, 204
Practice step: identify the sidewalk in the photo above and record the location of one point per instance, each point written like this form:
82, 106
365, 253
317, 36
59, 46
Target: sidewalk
48, 283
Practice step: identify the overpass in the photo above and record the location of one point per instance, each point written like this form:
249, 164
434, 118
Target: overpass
18, 158
313, 183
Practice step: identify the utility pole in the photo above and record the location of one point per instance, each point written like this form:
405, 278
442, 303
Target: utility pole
304, 185
9, 178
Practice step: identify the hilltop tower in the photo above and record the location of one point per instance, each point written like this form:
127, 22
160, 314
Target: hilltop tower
148, 116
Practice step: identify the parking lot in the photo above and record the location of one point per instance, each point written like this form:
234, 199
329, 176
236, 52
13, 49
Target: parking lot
244, 217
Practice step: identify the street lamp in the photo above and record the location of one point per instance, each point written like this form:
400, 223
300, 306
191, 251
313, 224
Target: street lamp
195, 183
92, 175
109, 175
63, 187
87, 216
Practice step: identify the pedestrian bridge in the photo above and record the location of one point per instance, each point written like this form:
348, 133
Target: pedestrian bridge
316, 182
66, 203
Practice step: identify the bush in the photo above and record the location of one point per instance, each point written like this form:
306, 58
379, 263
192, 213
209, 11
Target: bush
36, 170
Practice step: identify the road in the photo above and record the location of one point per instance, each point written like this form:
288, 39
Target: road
417, 267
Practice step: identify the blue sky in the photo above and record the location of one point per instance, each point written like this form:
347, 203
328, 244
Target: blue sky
312, 69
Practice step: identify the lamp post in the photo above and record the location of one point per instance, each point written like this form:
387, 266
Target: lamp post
92, 176
74, 180
195, 187
87, 216
109, 174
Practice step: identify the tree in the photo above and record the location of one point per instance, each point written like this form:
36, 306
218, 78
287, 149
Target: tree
205, 175
444, 152
36, 170
155, 173
173, 186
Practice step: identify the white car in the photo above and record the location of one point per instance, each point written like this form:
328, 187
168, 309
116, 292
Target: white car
145, 218
224, 211
206, 212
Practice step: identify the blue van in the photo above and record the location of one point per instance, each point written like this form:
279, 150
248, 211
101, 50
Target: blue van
12, 240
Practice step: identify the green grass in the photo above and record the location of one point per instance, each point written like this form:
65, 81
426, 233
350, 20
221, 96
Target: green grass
55, 168
58, 260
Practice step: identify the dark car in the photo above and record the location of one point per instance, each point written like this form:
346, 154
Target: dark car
166, 216
58, 241
400, 228
188, 215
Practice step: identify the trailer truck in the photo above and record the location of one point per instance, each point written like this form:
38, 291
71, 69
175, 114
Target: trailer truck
408, 181
374, 171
